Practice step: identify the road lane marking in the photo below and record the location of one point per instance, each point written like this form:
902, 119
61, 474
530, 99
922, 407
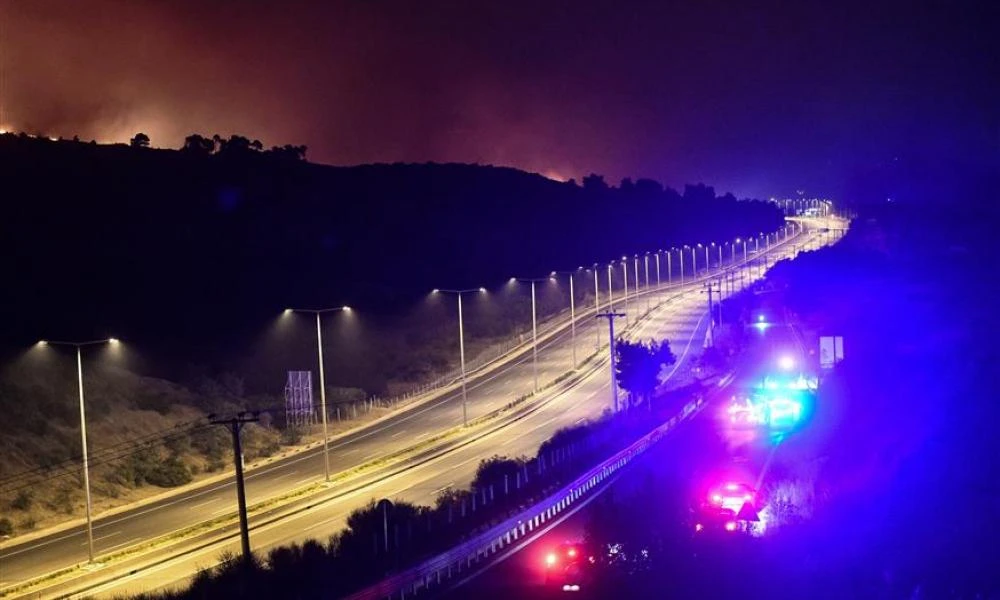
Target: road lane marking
131, 541
397, 434
283, 476
104, 537
200, 504
441, 489
314, 525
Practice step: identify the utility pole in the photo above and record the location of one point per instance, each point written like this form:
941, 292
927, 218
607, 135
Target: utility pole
610, 316
235, 425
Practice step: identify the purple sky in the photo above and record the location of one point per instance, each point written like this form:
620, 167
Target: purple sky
753, 98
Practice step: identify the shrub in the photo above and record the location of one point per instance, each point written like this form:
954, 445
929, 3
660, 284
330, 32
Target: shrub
170, 473
6, 527
23, 500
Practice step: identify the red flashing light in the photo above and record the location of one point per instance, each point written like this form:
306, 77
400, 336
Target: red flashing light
550, 559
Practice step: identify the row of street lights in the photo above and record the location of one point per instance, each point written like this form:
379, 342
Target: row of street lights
461, 334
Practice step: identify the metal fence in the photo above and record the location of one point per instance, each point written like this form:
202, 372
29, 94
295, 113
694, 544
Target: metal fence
460, 559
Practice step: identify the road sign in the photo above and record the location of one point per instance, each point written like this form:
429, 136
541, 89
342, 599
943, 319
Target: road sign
298, 398
831, 351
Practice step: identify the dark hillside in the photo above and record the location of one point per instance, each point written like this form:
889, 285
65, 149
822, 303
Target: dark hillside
191, 255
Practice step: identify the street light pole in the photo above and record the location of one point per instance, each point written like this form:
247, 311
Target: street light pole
572, 312
534, 336
597, 303
86, 465
646, 269
534, 323
658, 269
461, 360
670, 278
461, 346
322, 378
78, 346
322, 399
611, 296
625, 270
680, 255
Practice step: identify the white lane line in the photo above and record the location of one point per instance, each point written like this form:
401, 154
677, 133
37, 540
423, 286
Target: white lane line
131, 541
303, 481
200, 504
441, 489
314, 525
104, 537
397, 434
283, 476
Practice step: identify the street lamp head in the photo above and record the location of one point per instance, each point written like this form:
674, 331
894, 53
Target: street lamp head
435, 291
114, 341
42, 343
482, 290
552, 274
345, 308
287, 311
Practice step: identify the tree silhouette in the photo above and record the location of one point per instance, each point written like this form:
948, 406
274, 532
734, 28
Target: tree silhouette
237, 144
198, 144
141, 140
288, 151
638, 364
594, 182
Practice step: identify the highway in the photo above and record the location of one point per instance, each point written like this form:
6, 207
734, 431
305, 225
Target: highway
699, 454
680, 320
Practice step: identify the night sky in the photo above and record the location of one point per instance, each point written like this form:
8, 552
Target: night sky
753, 98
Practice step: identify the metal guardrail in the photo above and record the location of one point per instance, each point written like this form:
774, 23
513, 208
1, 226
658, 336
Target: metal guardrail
459, 559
